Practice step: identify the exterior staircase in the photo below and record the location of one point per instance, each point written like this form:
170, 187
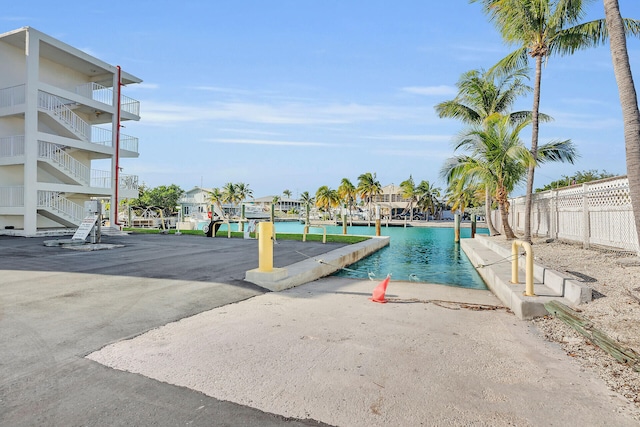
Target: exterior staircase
58, 208
63, 165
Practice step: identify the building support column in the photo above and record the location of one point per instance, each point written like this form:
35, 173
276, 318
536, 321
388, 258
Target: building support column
32, 53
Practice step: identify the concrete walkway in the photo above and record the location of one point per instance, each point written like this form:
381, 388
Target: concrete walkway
195, 344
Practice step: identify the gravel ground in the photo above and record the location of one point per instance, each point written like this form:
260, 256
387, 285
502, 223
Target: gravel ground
615, 309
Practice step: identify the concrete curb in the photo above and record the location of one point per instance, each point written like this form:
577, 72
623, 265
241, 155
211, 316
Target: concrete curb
492, 262
312, 269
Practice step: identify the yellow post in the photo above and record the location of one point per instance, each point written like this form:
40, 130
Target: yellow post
265, 247
378, 220
528, 266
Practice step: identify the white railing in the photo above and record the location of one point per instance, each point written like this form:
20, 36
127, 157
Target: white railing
64, 161
128, 182
129, 143
594, 213
96, 92
11, 96
60, 110
101, 136
12, 146
105, 95
100, 179
11, 197
52, 200
129, 105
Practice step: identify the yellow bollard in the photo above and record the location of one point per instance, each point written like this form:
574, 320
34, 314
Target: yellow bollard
528, 266
265, 247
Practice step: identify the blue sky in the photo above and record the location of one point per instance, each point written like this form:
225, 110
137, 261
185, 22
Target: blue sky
295, 94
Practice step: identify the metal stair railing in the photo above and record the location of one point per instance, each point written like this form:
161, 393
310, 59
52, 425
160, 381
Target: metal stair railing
60, 205
64, 162
64, 114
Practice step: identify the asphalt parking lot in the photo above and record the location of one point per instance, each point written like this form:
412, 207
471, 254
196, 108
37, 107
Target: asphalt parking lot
57, 305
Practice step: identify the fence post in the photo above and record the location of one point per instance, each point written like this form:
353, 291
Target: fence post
585, 216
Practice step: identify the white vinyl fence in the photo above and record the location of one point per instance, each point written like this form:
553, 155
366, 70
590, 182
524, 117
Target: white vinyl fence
597, 213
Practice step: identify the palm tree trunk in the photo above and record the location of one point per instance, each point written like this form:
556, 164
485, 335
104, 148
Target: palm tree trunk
487, 213
534, 150
628, 102
504, 214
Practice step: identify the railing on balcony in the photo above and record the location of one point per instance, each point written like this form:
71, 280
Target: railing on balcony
11, 96
105, 95
128, 182
101, 136
12, 146
129, 105
54, 201
129, 143
11, 197
100, 179
64, 161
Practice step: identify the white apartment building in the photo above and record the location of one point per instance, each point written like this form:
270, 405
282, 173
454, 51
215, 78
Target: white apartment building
60, 113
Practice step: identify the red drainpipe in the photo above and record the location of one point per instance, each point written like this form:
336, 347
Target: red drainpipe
118, 142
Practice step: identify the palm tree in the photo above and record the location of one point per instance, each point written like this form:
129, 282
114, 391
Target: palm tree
628, 101
229, 193
408, 191
242, 192
276, 200
326, 198
368, 188
481, 95
287, 194
347, 193
542, 28
216, 197
497, 155
427, 196
307, 200
461, 195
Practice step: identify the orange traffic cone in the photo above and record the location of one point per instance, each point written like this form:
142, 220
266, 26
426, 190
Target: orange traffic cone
379, 291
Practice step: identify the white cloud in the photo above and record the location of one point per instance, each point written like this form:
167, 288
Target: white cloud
418, 138
150, 86
269, 142
431, 90
284, 113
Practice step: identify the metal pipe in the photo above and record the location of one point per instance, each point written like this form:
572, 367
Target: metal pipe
117, 171
528, 266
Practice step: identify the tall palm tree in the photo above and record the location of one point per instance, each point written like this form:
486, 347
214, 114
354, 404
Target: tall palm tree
542, 28
408, 191
229, 193
628, 101
216, 197
497, 155
481, 95
326, 198
347, 193
307, 200
368, 188
428, 196
287, 193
